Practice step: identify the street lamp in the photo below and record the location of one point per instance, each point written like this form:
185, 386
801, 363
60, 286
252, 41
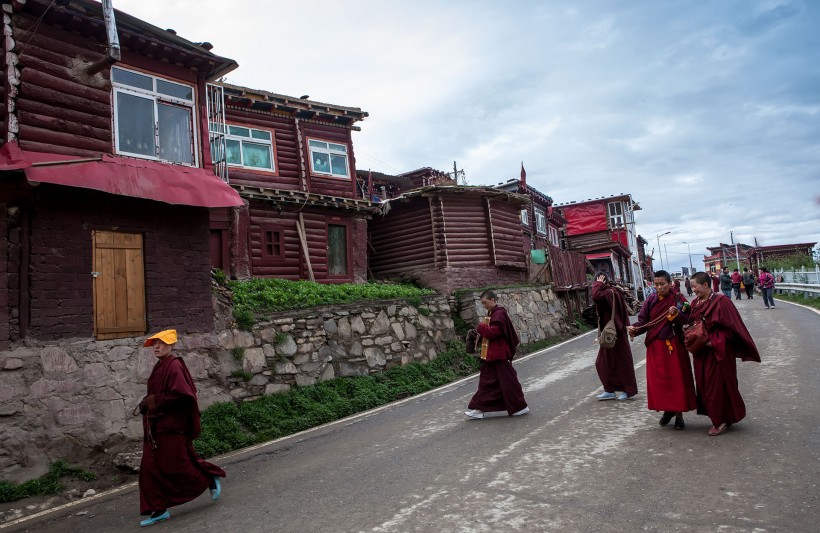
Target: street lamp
691, 269
660, 254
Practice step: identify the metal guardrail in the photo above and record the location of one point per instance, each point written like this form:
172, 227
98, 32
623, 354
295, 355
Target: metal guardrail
809, 290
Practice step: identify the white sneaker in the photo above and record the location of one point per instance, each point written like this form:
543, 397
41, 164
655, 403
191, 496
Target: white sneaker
474, 413
522, 412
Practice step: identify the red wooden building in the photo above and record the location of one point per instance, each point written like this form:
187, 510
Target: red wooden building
541, 223
447, 237
292, 160
757, 256
725, 255
105, 175
603, 229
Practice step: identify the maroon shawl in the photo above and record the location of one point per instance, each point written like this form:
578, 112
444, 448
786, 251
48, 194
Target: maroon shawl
501, 334
727, 332
653, 309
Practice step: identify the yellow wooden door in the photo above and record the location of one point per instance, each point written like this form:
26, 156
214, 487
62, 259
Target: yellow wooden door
119, 285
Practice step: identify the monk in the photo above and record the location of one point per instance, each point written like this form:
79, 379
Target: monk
171, 473
498, 385
614, 365
669, 384
715, 366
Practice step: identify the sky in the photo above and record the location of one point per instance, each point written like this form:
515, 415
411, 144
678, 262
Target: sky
707, 113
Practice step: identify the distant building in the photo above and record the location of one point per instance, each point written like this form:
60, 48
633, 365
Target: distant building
758, 255
724, 255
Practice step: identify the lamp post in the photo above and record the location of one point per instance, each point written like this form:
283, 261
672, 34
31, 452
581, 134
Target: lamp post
660, 254
689, 250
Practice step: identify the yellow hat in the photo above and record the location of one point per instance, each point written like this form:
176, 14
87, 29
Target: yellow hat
169, 336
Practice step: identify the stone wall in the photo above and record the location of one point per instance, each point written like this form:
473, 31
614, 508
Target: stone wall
63, 399
536, 313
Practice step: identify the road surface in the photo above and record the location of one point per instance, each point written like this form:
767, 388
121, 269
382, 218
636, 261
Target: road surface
573, 465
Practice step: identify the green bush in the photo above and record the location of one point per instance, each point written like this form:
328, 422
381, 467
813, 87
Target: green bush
266, 295
219, 276
238, 353
244, 374
47, 484
244, 318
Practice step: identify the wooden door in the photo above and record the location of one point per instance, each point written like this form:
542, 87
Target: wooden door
119, 285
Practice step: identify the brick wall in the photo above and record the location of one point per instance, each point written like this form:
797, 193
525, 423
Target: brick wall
176, 254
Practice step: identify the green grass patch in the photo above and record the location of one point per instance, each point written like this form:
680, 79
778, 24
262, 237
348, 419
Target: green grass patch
244, 374
458, 293
799, 299
238, 353
256, 296
229, 426
46, 484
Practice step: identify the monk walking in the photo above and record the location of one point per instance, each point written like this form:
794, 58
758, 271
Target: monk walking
171, 473
669, 384
614, 365
498, 385
715, 366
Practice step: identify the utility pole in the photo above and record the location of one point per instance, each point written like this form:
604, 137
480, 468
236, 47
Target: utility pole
456, 173
737, 256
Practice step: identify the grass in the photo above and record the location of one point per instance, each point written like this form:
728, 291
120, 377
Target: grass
238, 353
269, 295
46, 484
799, 299
244, 374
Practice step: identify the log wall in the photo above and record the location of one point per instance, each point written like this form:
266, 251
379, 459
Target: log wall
467, 231
403, 240
508, 237
293, 266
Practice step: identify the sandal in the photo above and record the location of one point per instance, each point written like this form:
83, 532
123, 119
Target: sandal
666, 418
720, 430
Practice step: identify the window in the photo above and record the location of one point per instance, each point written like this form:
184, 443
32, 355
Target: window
540, 222
525, 217
328, 158
273, 243
336, 250
616, 214
554, 236
248, 148
153, 117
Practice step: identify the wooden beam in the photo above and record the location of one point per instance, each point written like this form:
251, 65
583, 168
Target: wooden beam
300, 226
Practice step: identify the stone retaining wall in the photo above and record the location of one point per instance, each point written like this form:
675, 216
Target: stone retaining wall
536, 312
63, 399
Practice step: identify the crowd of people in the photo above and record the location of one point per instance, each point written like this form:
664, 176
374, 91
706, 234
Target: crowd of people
675, 384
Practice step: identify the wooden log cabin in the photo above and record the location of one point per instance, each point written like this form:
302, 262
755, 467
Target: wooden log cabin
105, 175
292, 160
449, 237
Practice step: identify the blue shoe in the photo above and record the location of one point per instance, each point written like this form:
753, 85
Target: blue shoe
151, 521
216, 492
606, 396
622, 396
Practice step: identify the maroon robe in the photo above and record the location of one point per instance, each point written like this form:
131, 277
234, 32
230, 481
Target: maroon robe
669, 382
498, 385
171, 473
715, 366
614, 365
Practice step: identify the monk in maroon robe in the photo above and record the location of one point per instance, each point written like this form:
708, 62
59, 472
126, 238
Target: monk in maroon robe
614, 365
171, 473
715, 365
498, 385
669, 384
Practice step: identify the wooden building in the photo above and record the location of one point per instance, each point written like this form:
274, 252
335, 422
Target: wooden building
540, 223
603, 229
105, 175
380, 187
758, 255
448, 237
292, 160
726, 255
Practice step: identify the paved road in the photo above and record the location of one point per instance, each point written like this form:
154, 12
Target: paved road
574, 464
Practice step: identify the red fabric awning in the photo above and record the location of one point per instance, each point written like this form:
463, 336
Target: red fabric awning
124, 176
603, 255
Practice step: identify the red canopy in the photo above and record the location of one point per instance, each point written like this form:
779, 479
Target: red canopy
598, 255
124, 176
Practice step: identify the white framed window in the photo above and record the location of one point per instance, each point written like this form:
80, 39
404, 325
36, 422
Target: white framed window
249, 148
616, 214
153, 117
525, 217
540, 222
328, 158
553, 238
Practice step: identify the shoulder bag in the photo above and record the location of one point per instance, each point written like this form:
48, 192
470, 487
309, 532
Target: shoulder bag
608, 336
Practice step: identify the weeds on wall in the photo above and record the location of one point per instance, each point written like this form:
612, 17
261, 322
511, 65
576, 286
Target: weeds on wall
46, 484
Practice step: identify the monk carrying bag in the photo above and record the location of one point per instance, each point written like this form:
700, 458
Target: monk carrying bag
609, 334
